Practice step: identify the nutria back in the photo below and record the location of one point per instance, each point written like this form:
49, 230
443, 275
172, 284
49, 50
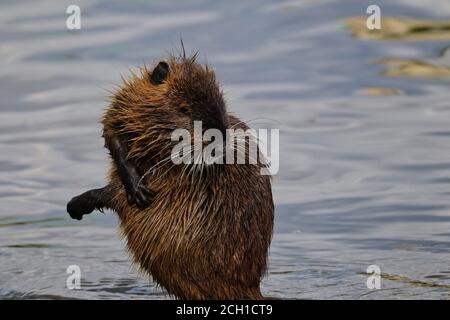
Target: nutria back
207, 231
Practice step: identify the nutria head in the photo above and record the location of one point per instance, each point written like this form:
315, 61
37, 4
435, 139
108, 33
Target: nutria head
171, 95
192, 92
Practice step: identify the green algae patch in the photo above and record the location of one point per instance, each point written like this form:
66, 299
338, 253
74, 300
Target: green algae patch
405, 29
414, 68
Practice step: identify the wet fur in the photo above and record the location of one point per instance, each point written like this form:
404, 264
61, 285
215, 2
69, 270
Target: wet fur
205, 235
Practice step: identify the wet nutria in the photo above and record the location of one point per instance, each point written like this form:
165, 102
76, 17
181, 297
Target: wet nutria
200, 231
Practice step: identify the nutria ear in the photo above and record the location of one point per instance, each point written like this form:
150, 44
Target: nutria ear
159, 74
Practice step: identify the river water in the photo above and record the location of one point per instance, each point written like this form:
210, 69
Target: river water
364, 173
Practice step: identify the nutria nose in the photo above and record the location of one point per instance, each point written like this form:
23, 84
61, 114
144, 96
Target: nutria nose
213, 118
220, 124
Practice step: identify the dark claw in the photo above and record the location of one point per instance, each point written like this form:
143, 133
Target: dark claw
138, 203
140, 196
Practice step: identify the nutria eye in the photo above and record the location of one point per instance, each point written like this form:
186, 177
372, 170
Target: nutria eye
184, 110
159, 74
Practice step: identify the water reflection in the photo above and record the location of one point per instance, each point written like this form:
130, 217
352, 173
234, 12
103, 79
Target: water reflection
364, 173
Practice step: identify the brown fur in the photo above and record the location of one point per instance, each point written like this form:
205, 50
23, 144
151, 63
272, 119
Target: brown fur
205, 236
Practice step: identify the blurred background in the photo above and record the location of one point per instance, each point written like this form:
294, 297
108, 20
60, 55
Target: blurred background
364, 131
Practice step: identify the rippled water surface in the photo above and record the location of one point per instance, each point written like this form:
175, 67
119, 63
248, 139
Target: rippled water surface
365, 139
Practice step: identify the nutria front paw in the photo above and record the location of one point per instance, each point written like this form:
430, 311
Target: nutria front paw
139, 195
77, 207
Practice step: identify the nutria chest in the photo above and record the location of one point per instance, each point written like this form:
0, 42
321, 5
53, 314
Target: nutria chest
198, 229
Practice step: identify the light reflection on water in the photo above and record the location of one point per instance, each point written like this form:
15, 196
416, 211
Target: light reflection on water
364, 176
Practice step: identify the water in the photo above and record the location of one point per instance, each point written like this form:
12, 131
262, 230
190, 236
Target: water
365, 168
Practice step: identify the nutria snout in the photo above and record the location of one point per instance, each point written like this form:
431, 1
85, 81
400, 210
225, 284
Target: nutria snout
201, 231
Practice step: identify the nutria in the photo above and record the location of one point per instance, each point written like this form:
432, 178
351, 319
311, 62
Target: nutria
201, 233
